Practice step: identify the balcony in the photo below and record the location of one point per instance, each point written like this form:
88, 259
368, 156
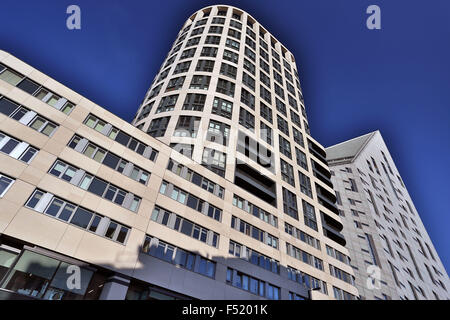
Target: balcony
326, 199
332, 228
318, 152
254, 182
321, 173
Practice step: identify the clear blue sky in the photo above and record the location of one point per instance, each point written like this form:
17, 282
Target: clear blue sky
396, 79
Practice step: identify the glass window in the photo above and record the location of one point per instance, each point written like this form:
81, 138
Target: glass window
81, 218
5, 183
11, 77
35, 199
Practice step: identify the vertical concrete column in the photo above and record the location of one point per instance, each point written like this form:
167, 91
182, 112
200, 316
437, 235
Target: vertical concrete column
115, 288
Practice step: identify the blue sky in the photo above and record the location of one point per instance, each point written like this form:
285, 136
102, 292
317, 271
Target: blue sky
354, 80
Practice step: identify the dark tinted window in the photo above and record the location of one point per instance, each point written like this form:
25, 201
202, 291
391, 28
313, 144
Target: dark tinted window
81, 218
9, 146
97, 186
7, 106
111, 160
196, 179
186, 228
122, 138
28, 86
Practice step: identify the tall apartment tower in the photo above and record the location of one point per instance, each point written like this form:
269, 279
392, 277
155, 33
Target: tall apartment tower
228, 96
215, 191
381, 225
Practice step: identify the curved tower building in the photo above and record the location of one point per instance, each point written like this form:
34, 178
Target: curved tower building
228, 97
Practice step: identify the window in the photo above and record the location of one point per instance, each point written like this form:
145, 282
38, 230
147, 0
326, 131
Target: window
10, 76
209, 52
246, 119
264, 79
225, 87
298, 137
296, 119
200, 82
218, 132
265, 112
228, 70
17, 149
201, 22
287, 172
192, 42
234, 33
250, 67
301, 159
281, 107
78, 216
265, 94
183, 148
309, 215
158, 127
234, 23
175, 84
250, 43
248, 81
232, 44
251, 284
194, 101
290, 203
264, 65
116, 163
283, 125
43, 126
254, 257
353, 186
297, 233
279, 91
175, 255
265, 56
254, 232
250, 54
188, 53
230, 56
214, 160
205, 65
306, 258
285, 147
305, 184
5, 183
43, 94
187, 126
182, 67
169, 62
266, 133
167, 103
215, 29
145, 111
195, 178
184, 226
254, 210
212, 40
217, 20
222, 108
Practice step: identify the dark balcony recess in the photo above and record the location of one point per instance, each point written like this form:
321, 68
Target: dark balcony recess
254, 182
318, 152
332, 228
326, 199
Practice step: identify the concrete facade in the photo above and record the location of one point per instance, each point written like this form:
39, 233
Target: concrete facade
382, 225
146, 222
